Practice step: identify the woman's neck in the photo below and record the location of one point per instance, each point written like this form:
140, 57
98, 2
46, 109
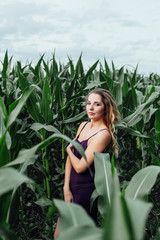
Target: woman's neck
97, 124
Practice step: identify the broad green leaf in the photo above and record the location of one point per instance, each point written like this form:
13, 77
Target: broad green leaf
5, 141
79, 71
157, 122
92, 68
3, 107
125, 88
38, 126
46, 103
103, 180
138, 211
43, 202
107, 69
117, 93
81, 233
26, 155
135, 117
58, 93
142, 182
131, 131
71, 67
157, 125
117, 86
3, 132
72, 215
133, 78
93, 85
33, 101
5, 67
13, 115
149, 114
94, 196
10, 177
2, 125
116, 223
76, 118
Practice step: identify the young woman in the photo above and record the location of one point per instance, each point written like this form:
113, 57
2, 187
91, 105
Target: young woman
94, 136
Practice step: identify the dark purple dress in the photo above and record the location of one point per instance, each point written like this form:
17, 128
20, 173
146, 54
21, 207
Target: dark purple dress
82, 184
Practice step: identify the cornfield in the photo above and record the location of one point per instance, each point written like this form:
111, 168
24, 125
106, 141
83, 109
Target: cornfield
40, 109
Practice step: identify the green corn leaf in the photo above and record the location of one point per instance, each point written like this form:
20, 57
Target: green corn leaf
79, 71
116, 224
33, 100
92, 68
5, 141
58, 92
76, 118
93, 85
39, 126
107, 69
135, 117
29, 153
10, 177
13, 115
125, 87
157, 122
5, 67
142, 182
94, 196
157, 125
131, 131
71, 67
46, 103
5, 155
81, 233
133, 79
3, 107
103, 181
78, 216
117, 93
138, 212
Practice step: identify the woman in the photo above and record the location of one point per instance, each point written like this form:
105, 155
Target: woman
94, 136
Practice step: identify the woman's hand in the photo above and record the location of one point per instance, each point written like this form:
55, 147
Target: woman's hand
69, 148
68, 197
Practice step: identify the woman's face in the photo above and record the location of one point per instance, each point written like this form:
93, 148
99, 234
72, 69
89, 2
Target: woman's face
95, 106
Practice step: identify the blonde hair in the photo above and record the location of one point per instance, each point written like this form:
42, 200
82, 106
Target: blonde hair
111, 114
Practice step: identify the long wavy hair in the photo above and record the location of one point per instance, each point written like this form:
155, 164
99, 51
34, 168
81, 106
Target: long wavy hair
111, 114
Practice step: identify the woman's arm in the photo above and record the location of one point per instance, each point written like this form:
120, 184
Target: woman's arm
68, 197
98, 144
68, 166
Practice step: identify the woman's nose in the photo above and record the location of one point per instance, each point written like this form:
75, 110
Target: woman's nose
91, 106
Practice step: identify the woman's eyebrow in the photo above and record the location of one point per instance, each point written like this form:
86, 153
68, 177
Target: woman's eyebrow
94, 102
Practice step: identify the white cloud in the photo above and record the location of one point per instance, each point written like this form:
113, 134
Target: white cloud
123, 31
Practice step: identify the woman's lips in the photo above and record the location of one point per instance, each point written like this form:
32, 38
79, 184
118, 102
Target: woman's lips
91, 113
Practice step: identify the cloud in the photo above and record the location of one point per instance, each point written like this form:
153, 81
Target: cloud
125, 32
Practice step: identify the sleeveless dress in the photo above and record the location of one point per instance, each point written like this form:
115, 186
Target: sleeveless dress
82, 184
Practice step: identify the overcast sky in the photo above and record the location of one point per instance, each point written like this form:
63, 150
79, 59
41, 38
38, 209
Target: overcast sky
125, 31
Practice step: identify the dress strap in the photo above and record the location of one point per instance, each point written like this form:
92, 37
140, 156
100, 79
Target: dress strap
98, 132
82, 129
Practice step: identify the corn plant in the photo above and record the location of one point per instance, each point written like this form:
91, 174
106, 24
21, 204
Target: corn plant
39, 101
124, 213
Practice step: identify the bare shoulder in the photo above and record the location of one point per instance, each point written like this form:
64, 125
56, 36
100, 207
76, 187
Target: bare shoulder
80, 127
102, 138
104, 135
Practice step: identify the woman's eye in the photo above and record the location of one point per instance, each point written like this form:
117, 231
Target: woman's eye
88, 103
97, 104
